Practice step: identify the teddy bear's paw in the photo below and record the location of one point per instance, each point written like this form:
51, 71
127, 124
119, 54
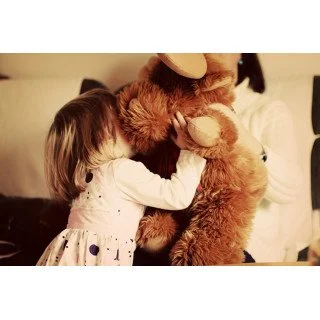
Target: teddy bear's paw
156, 231
156, 244
204, 130
179, 254
191, 250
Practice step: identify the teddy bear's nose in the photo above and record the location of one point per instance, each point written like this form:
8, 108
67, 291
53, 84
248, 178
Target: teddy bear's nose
204, 130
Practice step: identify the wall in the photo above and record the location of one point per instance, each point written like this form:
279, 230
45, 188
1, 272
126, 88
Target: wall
118, 68
112, 69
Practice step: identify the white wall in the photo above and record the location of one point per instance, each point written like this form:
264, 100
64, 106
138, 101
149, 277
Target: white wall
117, 68
290, 65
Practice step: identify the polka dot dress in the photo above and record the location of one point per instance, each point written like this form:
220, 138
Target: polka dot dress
77, 247
101, 227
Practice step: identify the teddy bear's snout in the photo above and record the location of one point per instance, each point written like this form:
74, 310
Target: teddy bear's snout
204, 130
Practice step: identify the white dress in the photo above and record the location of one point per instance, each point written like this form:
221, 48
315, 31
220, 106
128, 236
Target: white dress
104, 219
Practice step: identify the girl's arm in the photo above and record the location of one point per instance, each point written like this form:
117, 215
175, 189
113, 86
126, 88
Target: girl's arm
140, 185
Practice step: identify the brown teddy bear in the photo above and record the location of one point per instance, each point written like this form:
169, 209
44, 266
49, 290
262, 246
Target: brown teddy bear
216, 226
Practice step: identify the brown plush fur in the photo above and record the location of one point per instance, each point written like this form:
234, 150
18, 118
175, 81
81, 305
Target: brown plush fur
215, 228
165, 228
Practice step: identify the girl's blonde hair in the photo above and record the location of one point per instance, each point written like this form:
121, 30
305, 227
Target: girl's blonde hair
77, 142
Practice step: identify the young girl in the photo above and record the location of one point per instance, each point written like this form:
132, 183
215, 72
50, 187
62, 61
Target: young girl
87, 164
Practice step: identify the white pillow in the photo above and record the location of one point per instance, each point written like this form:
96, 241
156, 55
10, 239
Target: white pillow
27, 108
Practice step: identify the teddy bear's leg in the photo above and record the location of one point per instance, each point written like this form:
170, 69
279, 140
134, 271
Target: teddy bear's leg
195, 248
156, 231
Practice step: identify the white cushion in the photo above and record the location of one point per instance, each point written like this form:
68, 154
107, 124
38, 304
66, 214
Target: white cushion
27, 108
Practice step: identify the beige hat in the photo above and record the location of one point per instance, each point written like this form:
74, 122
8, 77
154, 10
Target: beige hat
190, 65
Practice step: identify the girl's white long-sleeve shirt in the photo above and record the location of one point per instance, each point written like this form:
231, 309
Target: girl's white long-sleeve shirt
271, 123
136, 183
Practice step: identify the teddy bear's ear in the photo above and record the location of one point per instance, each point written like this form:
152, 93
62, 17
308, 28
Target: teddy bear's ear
145, 71
214, 81
143, 115
189, 65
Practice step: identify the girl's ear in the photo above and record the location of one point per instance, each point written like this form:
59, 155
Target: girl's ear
189, 65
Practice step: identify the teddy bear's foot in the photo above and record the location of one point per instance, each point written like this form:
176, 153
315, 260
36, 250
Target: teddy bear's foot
155, 232
189, 249
198, 249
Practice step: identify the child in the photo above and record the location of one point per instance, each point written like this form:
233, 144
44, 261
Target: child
87, 163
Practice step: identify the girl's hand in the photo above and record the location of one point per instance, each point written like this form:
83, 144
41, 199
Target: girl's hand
180, 126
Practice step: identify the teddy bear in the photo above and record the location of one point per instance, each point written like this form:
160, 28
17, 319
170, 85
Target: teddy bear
215, 228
